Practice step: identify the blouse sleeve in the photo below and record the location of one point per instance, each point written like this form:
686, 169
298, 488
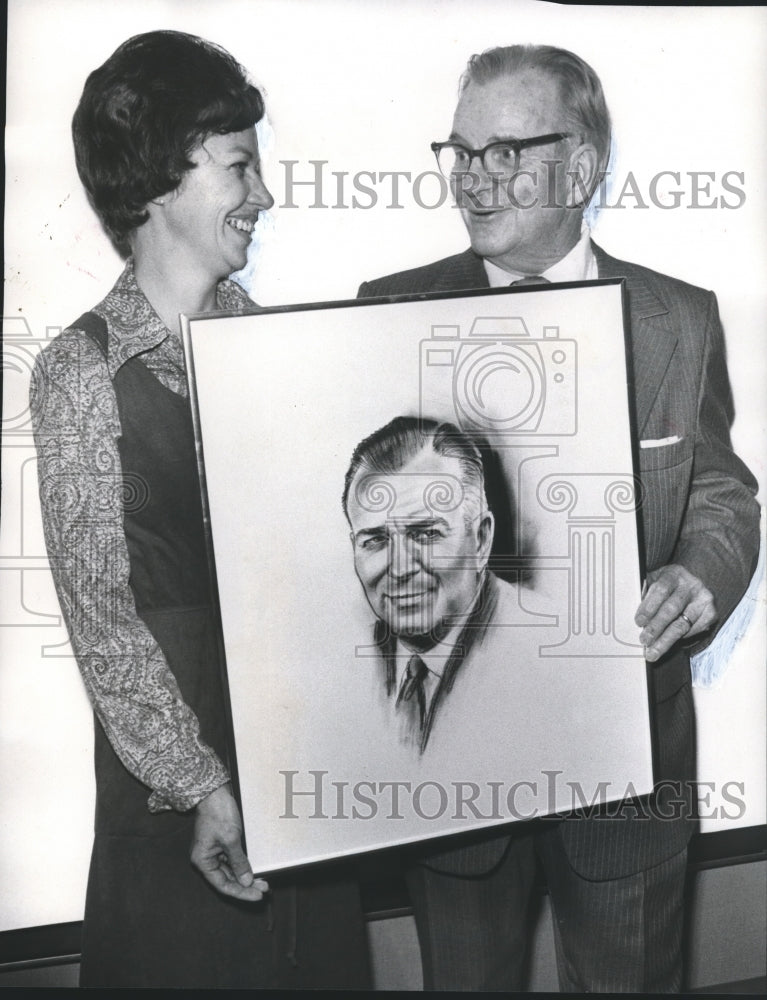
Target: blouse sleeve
133, 692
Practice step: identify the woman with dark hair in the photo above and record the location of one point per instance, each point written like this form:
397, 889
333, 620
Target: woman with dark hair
166, 148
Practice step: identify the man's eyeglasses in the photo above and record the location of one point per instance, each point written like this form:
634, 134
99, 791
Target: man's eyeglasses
501, 158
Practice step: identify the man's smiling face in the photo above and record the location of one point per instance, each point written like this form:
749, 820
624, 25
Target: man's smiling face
522, 224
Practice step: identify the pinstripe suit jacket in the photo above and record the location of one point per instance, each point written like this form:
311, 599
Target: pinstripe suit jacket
698, 510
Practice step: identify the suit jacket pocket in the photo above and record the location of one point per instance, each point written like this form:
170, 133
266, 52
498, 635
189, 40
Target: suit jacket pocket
665, 456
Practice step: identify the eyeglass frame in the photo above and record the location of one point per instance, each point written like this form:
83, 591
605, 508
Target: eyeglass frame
516, 144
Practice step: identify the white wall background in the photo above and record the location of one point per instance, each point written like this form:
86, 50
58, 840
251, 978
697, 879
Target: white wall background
364, 87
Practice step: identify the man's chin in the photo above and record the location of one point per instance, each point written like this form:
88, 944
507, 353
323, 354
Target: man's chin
409, 629
488, 234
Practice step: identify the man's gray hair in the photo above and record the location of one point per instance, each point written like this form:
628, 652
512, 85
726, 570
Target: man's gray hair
583, 99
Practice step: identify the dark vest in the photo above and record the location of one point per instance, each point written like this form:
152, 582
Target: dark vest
169, 575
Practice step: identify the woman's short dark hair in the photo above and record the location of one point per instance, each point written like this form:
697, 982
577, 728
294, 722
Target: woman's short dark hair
143, 112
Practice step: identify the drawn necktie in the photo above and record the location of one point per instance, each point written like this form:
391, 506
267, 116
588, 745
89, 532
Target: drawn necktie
412, 696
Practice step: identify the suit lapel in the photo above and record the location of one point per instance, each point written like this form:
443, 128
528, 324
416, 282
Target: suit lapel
472, 632
652, 339
462, 272
651, 336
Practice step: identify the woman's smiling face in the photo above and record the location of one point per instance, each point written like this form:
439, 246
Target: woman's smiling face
211, 215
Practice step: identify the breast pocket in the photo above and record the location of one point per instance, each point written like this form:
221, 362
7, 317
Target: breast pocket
664, 453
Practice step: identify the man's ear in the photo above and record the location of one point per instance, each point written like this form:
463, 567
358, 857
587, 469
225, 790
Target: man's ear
485, 535
582, 175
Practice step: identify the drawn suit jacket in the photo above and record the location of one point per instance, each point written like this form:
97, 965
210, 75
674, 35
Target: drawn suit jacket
469, 641
698, 510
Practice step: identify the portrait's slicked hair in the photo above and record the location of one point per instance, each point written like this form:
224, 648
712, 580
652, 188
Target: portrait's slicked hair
143, 112
387, 450
583, 100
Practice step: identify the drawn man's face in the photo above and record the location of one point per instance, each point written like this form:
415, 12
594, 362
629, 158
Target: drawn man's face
419, 546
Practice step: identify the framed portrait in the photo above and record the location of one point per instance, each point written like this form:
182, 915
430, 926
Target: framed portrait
414, 650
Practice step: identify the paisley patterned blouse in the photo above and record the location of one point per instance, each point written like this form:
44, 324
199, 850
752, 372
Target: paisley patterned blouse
82, 493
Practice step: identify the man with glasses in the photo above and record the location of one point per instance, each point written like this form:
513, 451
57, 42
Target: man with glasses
529, 144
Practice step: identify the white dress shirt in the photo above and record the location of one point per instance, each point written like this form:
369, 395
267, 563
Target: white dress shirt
578, 265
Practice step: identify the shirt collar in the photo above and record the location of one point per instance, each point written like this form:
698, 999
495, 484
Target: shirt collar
577, 265
134, 327
435, 659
